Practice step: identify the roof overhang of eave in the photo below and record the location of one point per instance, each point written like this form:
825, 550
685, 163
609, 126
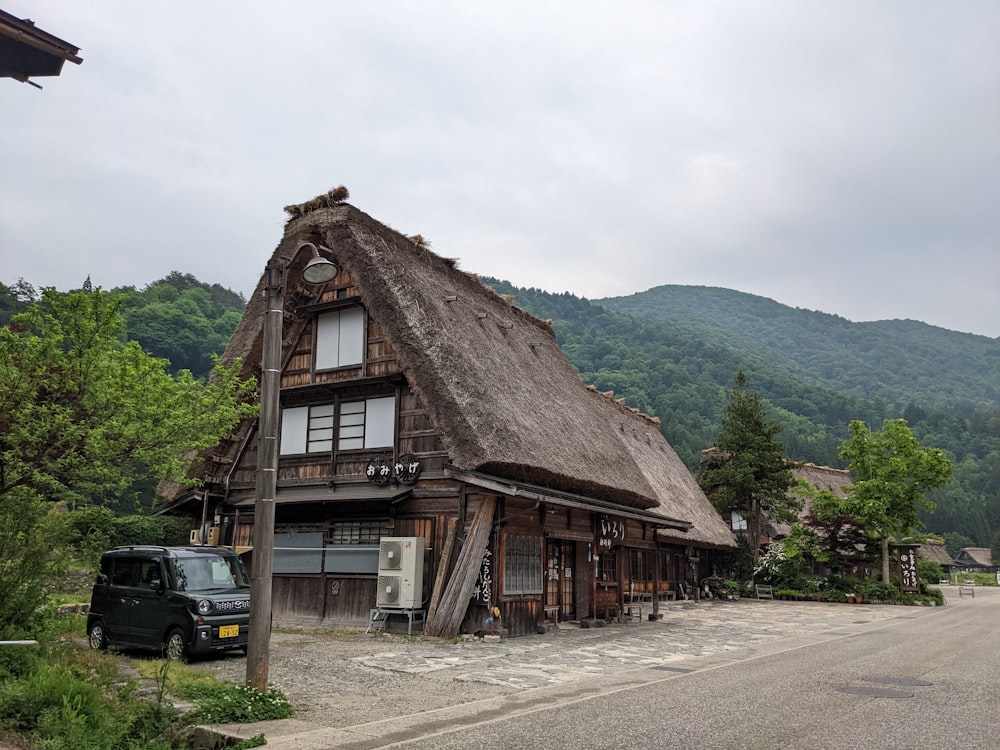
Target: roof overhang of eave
327, 494
26, 50
547, 496
295, 495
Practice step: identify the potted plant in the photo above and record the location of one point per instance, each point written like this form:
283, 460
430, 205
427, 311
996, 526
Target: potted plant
729, 589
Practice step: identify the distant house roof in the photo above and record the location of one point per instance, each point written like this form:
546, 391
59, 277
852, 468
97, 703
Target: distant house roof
980, 557
822, 478
936, 552
26, 50
492, 378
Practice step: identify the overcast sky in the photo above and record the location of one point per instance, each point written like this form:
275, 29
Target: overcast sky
837, 156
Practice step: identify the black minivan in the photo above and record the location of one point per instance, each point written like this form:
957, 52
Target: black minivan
180, 601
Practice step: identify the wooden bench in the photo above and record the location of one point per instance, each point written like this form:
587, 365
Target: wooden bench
552, 613
610, 612
969, 587
763, 591
632, 609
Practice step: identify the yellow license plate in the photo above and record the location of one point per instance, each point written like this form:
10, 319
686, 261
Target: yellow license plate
229, 631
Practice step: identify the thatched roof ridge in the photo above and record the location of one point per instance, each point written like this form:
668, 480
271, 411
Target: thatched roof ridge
937, 552
981, 556
824, 478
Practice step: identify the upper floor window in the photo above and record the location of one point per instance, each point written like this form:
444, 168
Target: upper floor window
307, 429
340, 338
368, 423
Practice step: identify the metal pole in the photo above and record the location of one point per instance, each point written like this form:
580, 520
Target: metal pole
259, 637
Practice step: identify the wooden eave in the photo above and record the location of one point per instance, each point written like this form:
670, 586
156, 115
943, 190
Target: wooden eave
547, 496
26, 50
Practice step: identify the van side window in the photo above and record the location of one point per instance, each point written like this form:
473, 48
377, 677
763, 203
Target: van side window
150, 570
126, 571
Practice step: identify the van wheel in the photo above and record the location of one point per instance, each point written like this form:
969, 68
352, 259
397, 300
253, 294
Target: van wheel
96, 635
175, 648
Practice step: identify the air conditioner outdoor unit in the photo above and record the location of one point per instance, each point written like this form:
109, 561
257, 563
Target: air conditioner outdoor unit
212, 537
400, 572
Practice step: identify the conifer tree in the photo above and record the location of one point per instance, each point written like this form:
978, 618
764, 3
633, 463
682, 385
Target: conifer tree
750, 474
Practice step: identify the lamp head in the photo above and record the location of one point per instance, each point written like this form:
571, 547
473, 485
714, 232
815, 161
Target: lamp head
318, 270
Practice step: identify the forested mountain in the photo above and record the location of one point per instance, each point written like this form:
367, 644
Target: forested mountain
674, 352
897, 361
176, 318
183, 320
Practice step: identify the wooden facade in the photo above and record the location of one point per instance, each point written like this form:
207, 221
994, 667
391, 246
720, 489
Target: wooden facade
515, 528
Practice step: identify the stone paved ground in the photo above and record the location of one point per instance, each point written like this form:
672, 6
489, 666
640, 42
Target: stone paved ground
337, 679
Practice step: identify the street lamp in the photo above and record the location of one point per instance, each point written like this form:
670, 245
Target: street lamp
318, 270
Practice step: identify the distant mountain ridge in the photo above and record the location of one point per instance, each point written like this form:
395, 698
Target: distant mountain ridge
897, 361
674, 351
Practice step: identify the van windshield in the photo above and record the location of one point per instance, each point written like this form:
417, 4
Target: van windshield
209, 573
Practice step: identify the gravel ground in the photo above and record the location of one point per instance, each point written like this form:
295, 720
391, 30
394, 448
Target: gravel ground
324, 675
343, 678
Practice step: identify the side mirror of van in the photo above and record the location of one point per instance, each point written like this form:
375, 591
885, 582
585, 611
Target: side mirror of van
156, 584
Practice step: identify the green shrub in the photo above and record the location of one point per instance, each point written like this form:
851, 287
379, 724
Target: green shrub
164, 530
929, 571
979, 579
76, 700
31, 559
877, 591
933, 595
91, 529
223, 702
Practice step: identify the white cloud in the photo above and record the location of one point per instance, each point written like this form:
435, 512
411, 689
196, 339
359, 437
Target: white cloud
827, 155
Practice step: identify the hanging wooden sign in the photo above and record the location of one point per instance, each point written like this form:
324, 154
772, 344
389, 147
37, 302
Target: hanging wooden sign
406, 469
378, 471
610, 532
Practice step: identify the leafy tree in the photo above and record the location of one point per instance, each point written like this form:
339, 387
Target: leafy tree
183, 320
828, 534
750, 474
32, 539
955, 542
15, 299
81, 412
892, 473
930, 571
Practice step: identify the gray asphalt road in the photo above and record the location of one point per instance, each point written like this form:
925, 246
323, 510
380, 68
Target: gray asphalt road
923, 680
712, 675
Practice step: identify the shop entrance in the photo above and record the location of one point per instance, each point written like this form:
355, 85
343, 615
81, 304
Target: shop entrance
560, 557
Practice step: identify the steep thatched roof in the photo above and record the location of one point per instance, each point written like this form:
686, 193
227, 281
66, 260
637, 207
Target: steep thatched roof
822, 478
975, 557
936, 552
491, 376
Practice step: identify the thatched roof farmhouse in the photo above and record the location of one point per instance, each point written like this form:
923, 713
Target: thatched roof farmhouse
530, 491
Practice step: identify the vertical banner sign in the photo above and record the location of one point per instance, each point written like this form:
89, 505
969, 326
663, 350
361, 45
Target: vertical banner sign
909, 578
610, 533
483, 593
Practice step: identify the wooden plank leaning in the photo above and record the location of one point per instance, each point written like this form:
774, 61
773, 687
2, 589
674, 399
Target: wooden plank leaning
442, 572
455, 599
